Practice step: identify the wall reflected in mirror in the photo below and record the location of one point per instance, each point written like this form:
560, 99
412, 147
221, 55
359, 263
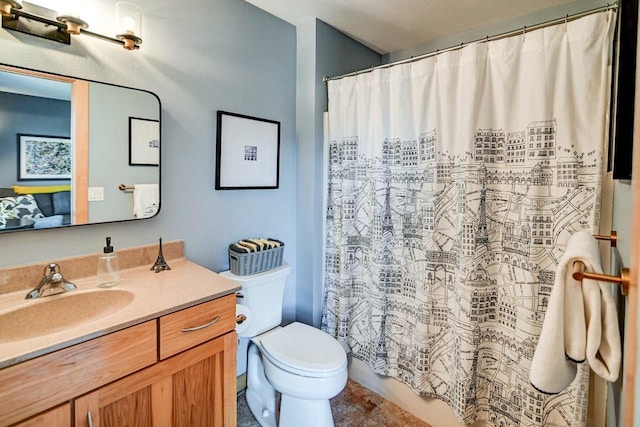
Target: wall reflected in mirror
66, 145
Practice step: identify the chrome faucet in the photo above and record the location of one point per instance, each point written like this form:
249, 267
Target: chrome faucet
53, 281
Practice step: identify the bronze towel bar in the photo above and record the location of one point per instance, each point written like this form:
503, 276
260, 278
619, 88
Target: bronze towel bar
613, 238
625, 275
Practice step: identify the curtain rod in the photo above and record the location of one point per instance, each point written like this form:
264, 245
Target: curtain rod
522, 30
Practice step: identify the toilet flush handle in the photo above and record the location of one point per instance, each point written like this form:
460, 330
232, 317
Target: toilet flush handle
240, 318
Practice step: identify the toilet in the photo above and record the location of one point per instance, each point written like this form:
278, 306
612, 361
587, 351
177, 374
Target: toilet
306, 365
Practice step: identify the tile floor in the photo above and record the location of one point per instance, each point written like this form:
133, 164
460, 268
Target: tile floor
356, 406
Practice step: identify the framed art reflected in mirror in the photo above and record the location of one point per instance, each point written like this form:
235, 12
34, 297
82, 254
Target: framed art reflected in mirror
42, 157
144, 142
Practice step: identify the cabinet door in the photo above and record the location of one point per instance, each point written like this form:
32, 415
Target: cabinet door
130, 408
57, 417
194, 388
198, 393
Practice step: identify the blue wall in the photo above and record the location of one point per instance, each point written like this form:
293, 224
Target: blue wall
213, 55
30, 115
322, 51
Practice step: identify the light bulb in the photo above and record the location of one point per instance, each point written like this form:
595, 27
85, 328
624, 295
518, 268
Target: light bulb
128, 25
128, 19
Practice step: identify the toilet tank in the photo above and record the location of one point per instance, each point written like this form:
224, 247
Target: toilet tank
262, 295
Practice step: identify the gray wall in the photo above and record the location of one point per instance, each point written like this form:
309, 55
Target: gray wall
213, 55
30, 115
621, 222
322, 51
109, 110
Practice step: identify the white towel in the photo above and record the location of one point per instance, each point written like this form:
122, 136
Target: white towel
146, 200
580, 323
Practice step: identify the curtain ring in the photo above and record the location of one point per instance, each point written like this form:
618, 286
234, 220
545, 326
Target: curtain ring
487, 42
524, 30
437, 50
566, 19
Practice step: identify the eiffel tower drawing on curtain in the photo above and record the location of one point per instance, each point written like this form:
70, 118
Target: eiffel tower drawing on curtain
453, 187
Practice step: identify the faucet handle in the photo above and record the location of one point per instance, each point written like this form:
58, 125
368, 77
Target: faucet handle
56, 278
53, 277
51, 270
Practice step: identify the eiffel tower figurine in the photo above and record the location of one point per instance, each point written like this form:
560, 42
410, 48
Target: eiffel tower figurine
160, 264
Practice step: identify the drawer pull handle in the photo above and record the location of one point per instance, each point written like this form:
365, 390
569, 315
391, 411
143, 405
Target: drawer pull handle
206, 325
89, 420
240, 318
239, 295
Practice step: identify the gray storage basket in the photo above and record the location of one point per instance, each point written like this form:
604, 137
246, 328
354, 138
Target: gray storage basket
245, 264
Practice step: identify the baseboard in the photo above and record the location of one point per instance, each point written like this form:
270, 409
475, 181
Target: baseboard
241, 383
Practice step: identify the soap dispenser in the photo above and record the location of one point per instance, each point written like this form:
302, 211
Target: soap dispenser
108, 268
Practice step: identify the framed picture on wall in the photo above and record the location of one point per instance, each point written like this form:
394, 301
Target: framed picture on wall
144, 142
42, 157
247, 152
622, 110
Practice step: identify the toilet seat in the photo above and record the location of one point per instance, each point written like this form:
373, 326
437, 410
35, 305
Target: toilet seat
304, 350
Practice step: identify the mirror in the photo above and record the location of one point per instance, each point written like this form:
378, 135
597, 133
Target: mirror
75, 151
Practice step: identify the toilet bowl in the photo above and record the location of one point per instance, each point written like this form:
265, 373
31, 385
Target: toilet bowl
306, 365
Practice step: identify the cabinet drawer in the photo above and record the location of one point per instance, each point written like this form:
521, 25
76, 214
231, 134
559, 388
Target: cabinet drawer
189, 327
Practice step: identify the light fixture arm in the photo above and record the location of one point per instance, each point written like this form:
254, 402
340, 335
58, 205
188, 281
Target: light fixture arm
106, 38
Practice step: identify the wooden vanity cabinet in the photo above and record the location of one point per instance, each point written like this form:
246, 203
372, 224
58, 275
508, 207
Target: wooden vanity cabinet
191, 380
193, 388
56, 417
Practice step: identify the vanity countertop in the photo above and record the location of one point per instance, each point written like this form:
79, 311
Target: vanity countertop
154, 295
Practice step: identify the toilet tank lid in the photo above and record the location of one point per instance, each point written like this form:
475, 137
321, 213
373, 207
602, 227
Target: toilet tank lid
304, 347
256, 279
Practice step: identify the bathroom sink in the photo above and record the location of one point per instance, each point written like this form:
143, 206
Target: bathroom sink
53, 314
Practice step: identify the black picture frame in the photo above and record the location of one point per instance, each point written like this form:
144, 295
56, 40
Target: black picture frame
622, 125
247, 152
43, 157
144, 142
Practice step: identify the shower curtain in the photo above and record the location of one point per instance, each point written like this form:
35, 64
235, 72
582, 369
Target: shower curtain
453, 185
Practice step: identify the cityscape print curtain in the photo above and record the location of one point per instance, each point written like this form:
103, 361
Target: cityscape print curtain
453, 185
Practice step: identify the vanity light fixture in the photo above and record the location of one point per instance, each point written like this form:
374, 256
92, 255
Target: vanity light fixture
7, 5
28, 18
